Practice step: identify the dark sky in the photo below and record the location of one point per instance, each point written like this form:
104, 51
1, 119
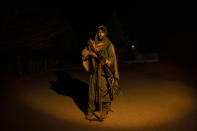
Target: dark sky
140, 13
159, 19
143, 20
172, 15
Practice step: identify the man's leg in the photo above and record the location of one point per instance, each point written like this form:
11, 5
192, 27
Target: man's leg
90, 110
91, 100
106, 109
106, 99
106, 106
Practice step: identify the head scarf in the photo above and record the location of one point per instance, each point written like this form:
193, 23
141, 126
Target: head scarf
96, 36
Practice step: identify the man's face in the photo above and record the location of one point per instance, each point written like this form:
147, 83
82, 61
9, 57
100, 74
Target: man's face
101, 34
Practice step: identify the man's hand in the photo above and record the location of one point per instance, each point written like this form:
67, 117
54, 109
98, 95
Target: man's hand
92, 44
93, 54
108, 63
116, 83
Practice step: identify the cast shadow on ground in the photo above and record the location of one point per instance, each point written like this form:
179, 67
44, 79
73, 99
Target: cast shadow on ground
74, 88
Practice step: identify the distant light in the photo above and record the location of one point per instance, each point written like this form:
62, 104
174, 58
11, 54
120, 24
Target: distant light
132, 46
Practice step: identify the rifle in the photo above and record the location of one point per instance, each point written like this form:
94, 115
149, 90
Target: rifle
107, 70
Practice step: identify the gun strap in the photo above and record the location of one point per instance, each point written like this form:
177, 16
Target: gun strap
99, 87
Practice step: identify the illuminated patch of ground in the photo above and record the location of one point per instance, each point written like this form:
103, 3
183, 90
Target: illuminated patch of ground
144, 102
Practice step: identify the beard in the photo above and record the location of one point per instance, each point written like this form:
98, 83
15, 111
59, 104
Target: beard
101, 37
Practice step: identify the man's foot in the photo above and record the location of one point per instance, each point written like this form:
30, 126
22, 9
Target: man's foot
89, 116
103, 115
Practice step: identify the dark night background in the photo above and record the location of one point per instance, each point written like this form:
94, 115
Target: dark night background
43, 85
38, 35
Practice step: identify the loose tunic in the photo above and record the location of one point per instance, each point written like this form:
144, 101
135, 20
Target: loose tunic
92, 66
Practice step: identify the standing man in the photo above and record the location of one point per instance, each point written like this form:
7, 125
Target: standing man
99, 59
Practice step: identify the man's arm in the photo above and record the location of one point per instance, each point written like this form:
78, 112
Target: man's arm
86, 53
111, 52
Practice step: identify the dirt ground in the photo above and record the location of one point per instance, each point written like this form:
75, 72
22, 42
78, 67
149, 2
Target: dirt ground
153, 97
